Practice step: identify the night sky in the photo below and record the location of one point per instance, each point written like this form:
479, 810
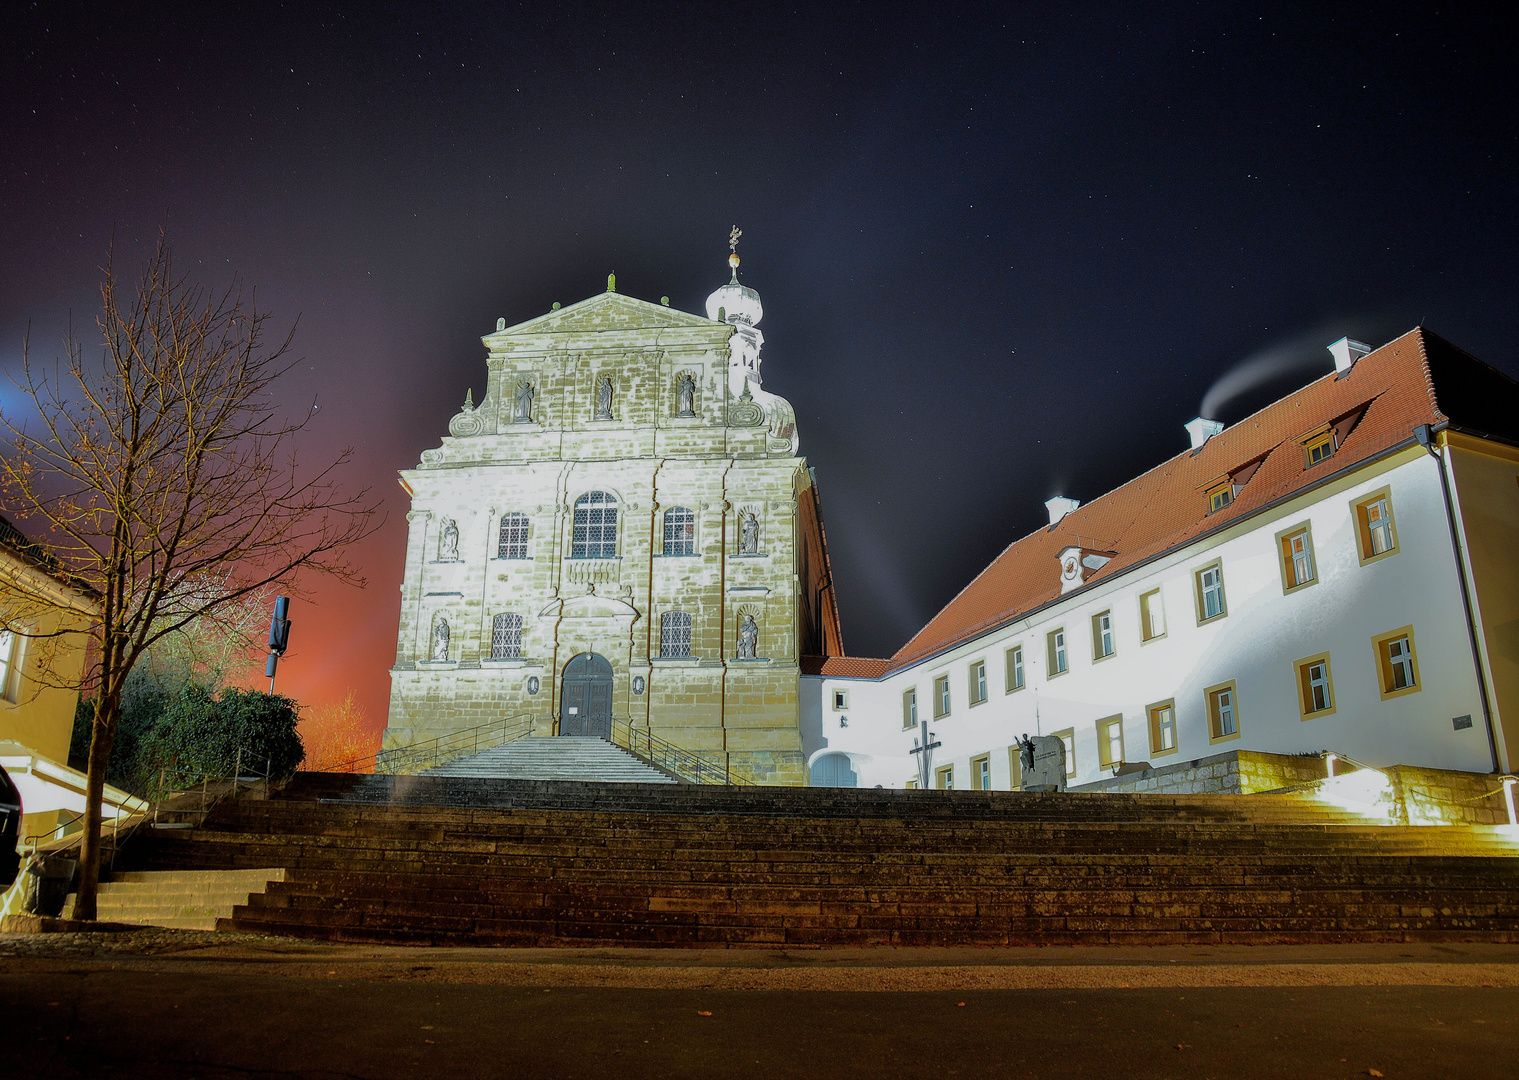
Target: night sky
1005, 253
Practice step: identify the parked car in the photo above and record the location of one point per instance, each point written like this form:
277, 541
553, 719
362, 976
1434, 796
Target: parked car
10, 830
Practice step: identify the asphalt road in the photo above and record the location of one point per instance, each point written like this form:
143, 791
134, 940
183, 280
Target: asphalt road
392, 1013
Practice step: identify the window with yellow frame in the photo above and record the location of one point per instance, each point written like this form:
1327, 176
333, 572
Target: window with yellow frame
1294, 549
1397, 663
1376, 531
1318, 446
1315, 686
1162, 716
1222, 702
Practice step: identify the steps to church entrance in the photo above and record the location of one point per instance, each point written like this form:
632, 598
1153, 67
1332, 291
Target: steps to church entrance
178, 899
563, 757
443, 860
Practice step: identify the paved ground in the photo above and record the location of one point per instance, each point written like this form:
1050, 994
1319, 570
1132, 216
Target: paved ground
168, 1004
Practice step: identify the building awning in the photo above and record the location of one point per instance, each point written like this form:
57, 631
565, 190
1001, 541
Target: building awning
46, 785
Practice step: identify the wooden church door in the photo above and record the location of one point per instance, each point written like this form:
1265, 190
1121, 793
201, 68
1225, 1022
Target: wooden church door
585, 704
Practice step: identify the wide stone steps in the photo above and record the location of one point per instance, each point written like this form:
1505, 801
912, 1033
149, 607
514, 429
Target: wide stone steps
564, 757
521, 862
182, 899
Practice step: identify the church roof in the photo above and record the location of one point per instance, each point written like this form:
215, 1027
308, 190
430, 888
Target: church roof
1414, 380
605, 311
845, 667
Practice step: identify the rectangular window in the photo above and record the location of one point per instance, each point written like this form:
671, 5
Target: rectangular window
945, 778
1219, 498
1210, 593
1015, 668
1068, 738
1110, 741
841, 699
941, 696
1015, 768
1102, 635
1295, 557
10, 666
512, 540
1223, 712
680, 531
910, 709
1315, 690
978, 682
981, 773
1376, 533
1055, 645
675, 635
912, 785
1320, 448
1152, 616
1397, 663
1162, 728
506, 637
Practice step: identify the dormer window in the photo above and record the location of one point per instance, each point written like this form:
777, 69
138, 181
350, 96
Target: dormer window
1319, 447
1220, 497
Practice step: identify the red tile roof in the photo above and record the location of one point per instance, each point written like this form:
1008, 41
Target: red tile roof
1383, 398
845, 667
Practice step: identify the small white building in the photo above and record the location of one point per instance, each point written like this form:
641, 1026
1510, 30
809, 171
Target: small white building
1334, 573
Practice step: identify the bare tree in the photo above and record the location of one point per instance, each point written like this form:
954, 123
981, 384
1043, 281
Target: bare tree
164, 479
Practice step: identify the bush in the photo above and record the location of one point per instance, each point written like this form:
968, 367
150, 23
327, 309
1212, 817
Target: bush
199, 737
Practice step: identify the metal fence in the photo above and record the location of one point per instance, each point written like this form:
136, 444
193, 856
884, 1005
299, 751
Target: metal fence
672, 759
430, 753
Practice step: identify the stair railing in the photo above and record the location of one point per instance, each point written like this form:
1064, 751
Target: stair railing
430, 753
668, 758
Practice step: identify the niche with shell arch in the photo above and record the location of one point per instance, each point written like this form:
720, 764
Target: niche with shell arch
686, 388
749, 638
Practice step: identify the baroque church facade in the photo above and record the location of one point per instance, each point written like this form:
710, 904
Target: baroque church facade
621, 532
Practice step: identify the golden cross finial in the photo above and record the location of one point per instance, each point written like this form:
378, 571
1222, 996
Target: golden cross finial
733, 239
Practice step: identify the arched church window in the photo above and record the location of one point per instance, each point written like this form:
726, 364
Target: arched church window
513, 543
675, 634
595, 530
506, 637
680, 531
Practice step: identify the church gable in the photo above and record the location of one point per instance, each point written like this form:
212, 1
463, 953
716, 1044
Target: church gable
606, 311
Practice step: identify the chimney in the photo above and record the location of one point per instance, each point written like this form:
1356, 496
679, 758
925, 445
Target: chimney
1059, 507
1202, 430
1346, 352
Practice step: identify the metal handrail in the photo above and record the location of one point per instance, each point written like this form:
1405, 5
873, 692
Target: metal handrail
667, 757
429, 753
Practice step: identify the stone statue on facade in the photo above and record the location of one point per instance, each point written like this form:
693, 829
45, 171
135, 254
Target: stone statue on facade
748, 639
448, 541
604, 400
748, 534
687, 390
525, 394
440, 641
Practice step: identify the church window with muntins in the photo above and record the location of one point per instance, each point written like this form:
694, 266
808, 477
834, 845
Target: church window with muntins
1375, 530
680, 531
506, 637
512, 541
1015, 668
1102, 635
1055, 646
675, 634
1210, 593
1223, 712
978, 682
595, 527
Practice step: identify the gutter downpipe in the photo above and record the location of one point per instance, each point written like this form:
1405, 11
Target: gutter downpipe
648, 629
722, 623
1426, 436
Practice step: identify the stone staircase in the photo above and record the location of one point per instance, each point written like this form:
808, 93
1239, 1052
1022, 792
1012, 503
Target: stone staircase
183, 899
563, 757
440, 860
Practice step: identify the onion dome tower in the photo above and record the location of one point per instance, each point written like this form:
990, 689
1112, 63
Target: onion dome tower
739, 306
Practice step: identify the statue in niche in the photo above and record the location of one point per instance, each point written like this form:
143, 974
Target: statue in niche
748, 639
448, 541
525, 394
604, 400
748, 534
440, 640
687, 390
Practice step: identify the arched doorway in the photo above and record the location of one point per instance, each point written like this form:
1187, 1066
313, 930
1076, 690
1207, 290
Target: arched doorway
832, 770
585, 701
